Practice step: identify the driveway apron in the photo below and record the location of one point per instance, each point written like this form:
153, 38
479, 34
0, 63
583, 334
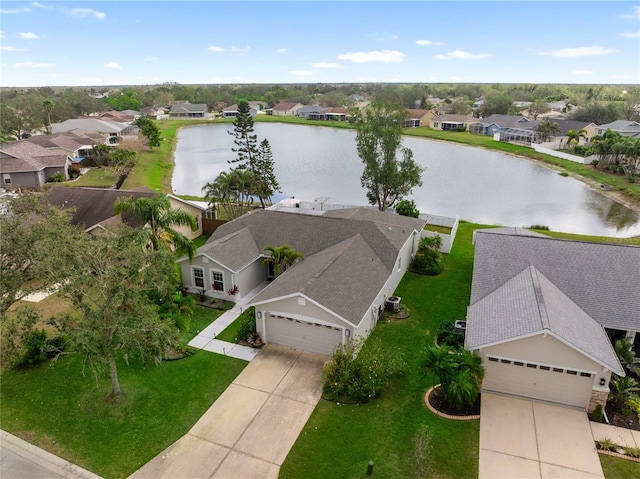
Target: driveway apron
249, 430
529, 439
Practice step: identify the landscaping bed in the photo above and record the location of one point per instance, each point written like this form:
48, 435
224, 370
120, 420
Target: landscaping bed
437, 401
618, 418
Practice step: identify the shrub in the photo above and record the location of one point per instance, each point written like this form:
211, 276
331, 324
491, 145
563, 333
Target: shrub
57, 178
632, 451
538, 227
597, 415
247, 322
354, 377
407, 208
448, 335
428, 259
634, 404
607, 444
582, 150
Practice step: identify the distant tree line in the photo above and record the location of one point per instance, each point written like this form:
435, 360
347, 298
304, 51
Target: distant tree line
28, 109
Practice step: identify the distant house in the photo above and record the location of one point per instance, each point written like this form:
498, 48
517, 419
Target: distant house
286, 108
114, 129
188, 110
307, 111
93, 208
419, 118
496, 123
544, 313
452, 122
330, 114
126, 116
232, 111
153, 111
27, 165
258, 105
624, 127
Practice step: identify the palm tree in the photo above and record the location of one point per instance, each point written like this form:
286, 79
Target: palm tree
626, 355
546, 129
574, 137
281, 257
231, 190
621, 389
159, 218
48, 107
437, 360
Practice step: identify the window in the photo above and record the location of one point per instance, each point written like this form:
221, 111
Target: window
558, 370
529, 365
494, 360
435, 124
518, 363
7, 178
573, 373
217, 281
545, 368
585, 375
505, 361
198, 277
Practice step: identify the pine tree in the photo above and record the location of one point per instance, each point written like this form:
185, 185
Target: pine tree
245, 141
266, 183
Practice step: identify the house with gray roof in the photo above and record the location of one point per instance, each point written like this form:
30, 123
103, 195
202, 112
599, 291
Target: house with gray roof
624, 127
188, 110
544, 313
353, 261
27, 165
497, 123
452, 122
113, 129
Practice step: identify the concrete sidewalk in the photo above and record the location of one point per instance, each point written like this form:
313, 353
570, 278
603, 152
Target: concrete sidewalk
21, 460
249, 430
206, 339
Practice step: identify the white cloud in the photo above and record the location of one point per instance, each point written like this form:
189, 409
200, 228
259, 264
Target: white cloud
35, 65
240, 49
282, 50
115, 65
462, 55
383, 56
215, 49
9, 48
326, 65
579, 52
635, 15
8, 11
302, 73
583, 72
40, 5
630, 34
88, 12
428, 43
28, 35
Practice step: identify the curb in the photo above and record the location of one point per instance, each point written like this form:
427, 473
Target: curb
43, 458
618, 455
441, 414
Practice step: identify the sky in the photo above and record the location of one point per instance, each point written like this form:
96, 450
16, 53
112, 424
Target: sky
87, 43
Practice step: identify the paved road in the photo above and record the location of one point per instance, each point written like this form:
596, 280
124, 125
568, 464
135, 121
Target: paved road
21, 460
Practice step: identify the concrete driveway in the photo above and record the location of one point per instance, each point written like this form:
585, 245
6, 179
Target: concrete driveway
528, 439
248, 432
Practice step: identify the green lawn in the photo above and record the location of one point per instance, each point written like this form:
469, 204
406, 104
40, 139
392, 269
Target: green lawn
615, 468
340, 439
61, 407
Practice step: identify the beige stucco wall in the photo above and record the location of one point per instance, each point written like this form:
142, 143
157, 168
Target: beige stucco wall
195, 211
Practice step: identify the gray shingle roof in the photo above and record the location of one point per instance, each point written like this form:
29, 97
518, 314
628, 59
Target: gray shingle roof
530, 303
345, 278
234, 250
22, 156
601, 278
189, 108
89, 124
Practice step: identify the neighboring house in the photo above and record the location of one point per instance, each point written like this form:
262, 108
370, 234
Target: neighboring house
452, 122
114, 129
76, 144
624, 127
307, 111
419, 118
327, 113
232, 111
496, 123
258, 105
125, 116
26, 165
564, 126
93, 208
153, 111
544, 312
286, 108
188, 110
353, 261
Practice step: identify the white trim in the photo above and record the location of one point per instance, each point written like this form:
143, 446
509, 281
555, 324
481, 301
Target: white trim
211, 271
538, 364
193, 277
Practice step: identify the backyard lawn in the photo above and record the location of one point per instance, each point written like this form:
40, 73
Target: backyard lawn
61, 407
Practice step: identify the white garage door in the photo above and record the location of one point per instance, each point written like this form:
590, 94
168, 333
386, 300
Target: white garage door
304, 335
538, 381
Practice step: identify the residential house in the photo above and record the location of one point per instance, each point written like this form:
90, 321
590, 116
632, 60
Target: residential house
544, 312
114, 129
307, 111
258, 105
232, 111
353, 261
93, 208
496, 123
624, 127
419, 118
126, 116
153, 111
560, 138
452, 122
286, 108
76, 144
188, 110
27, 165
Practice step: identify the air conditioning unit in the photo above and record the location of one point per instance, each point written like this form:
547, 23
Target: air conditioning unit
392, 303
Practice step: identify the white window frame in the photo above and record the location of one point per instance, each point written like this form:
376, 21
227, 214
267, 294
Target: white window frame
195, 278
6, 178
213, 281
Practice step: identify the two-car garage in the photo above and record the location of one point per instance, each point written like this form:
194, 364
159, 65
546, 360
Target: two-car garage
302, 334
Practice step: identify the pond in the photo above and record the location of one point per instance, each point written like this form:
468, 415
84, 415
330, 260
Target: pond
474, 184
